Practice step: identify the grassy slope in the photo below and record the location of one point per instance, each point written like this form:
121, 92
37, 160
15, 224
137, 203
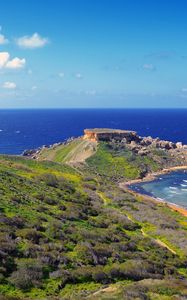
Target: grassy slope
65, 236
76, 151
119, 163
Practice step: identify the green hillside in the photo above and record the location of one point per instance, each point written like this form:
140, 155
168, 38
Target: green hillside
73, 152
72, 233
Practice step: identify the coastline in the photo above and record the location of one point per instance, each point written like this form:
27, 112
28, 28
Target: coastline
151, 177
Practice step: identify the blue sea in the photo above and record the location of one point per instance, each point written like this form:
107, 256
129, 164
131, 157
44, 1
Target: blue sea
171, 187
28, 129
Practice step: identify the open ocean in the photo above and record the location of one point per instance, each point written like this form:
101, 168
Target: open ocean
27, 129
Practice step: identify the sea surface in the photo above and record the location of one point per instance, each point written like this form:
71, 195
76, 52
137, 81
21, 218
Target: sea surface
28, 129
171, 187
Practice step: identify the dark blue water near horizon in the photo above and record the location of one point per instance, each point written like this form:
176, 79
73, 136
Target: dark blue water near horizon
30, 128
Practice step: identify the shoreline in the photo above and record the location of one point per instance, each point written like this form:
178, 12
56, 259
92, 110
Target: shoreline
151, 177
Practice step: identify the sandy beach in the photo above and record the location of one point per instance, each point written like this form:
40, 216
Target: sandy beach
150, 177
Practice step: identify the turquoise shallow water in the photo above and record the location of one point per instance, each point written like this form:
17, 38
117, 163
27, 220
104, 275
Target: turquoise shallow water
171, 187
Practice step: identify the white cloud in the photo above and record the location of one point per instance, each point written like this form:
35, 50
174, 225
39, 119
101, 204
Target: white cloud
4, 57
78, 76
3, 40
32, 42
29, 72
149, 67
9, 85
61, 74
184, 90
15, 63
34, 87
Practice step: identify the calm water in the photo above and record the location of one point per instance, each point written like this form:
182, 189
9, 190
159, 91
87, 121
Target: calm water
26, 129
171, 187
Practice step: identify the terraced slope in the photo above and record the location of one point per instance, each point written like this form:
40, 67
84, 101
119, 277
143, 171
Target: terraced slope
74, 152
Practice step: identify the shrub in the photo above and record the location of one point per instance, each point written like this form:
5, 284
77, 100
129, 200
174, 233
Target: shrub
49, 179
29, 273
90, 186
50, 200
99, 275
31, 234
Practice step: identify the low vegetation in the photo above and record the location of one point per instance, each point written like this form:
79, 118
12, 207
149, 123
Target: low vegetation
72, 233
118, 162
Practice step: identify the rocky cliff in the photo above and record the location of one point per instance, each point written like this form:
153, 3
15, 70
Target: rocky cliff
107, 134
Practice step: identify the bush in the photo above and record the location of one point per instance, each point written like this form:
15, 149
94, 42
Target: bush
49, 179
31, 234
50, 201
99, 275
29, 273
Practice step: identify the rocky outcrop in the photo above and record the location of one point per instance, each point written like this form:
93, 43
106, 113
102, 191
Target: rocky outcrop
146, 146
125, 138
131, 138
157, 143
107, 134
33, 153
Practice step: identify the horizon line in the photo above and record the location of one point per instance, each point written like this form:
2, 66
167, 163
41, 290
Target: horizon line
88, 108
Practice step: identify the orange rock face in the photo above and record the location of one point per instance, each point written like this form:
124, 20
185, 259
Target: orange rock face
90, 136
98, 134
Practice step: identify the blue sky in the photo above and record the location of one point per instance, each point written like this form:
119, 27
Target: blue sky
93, 53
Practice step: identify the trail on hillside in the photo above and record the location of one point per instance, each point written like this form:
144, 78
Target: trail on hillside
156, 240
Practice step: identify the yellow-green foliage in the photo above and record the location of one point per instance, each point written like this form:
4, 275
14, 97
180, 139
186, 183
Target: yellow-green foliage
69, 236
107, 163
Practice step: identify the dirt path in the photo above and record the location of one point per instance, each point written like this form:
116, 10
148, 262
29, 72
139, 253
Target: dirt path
174, 207
158, 241
162, 244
